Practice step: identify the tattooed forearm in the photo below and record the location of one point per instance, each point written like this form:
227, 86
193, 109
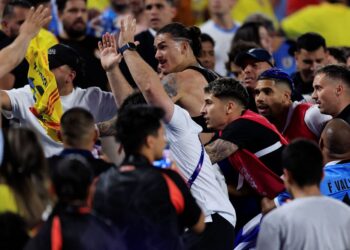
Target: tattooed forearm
220, 149
170, 85
107, 128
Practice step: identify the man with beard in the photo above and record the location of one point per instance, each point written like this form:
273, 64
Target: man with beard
311, 54
73, 15
273, 98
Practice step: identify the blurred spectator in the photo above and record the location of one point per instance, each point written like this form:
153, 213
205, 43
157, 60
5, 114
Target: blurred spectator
207, 55
71, 224
336, 56
222, 28
327, 19
255, 32
280, 45
73, 15
23, 175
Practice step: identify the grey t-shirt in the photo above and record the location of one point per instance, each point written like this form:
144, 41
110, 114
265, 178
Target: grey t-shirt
316, 222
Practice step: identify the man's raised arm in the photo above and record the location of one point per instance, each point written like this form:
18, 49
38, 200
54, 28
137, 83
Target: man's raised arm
145, 77
13, 54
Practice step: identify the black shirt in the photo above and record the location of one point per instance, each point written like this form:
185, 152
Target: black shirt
94, 73
138, 201
345, 114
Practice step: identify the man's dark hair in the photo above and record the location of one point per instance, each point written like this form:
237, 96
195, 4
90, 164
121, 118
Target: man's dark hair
133, 99
180, 31
338, 54
336, 72
61, 4
71, 178
228, 88
76, 124
303, 159
310, 42
9, 7
13, 231
249, 31
135, 123
207, 38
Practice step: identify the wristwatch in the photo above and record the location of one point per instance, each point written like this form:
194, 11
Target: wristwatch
129, 46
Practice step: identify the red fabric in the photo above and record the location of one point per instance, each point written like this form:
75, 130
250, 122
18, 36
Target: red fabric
259, 177
56, 234
295, 5
255, 172
297, 127
175, 195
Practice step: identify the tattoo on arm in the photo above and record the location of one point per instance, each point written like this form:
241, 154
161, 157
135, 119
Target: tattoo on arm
170, 85
107, 128
220, 149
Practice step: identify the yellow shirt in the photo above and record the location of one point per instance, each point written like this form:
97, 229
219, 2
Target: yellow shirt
244, 8
101, 5
7, 200
329, 20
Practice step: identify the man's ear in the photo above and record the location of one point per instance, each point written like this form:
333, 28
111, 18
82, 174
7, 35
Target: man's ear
72, 75
230, 107
173, 12
339, 89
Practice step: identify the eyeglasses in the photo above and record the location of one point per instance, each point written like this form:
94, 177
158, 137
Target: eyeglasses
158, 6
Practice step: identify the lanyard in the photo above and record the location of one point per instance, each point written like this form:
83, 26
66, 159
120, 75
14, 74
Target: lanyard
197, 170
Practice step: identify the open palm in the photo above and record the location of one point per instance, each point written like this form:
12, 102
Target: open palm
110, 58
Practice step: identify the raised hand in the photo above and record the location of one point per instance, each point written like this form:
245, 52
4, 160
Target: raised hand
127, 30
35, 20
110, 58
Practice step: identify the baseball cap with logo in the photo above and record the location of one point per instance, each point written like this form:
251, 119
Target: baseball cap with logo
258, 54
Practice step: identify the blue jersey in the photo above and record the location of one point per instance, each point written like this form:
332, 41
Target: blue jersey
336, 181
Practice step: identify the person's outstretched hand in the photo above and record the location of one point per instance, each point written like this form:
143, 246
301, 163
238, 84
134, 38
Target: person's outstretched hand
35, 20
127, 31
110, 58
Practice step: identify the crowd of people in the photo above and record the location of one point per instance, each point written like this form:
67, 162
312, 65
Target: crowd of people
231, 135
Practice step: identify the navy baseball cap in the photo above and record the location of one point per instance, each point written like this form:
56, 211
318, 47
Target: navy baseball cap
258, 54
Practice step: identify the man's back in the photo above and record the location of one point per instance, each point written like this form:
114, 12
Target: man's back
307, 223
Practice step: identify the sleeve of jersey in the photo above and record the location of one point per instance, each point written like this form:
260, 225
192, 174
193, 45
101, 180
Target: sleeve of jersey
18, 99
191, 211
233, 133
316, 121
105, 103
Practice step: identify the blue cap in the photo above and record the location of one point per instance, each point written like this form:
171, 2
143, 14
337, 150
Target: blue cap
257, 54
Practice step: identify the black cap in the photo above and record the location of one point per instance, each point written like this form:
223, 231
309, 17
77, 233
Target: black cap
258, 54
61, 54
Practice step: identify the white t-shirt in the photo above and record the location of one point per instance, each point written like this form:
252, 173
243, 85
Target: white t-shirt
316, 222
223, 39
101, 104
185, 146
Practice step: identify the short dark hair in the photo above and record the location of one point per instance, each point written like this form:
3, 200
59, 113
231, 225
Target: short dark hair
72, 177
310, 41
76, 124
336, 72
192, 34
249, 31
9, 7
133, 99
338, 54
207, 38
228, 88
61, 4
135, 123
237, 48
303, 159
